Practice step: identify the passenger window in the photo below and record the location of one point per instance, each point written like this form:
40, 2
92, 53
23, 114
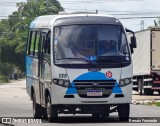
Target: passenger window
37, 43
47, 44
32, 43
28, 44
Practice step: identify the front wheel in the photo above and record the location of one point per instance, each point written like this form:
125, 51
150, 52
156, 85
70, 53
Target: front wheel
52, 110
123, 112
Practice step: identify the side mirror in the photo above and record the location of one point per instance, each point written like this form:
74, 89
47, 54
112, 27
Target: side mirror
133, 42
131, 48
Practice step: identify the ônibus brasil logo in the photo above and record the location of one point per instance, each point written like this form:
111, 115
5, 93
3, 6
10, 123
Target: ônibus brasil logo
109, 74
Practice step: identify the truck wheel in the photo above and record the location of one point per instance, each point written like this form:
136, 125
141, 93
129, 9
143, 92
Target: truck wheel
148, 91
37, 109
123, 112
140, 86
52, 110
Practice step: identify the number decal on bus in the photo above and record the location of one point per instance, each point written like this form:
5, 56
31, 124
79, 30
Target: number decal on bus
63, 75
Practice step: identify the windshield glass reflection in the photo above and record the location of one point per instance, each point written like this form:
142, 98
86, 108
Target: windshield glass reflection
90, 42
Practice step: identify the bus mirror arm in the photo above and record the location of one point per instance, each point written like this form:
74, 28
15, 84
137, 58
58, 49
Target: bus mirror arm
132, 39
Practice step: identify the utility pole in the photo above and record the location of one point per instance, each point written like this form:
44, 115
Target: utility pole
142, 24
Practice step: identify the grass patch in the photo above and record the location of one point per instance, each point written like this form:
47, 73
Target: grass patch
154, 104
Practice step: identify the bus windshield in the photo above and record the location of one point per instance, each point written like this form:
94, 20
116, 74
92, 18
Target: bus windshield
97, 43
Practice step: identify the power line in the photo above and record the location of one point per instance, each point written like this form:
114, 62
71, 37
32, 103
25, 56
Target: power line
95, 1
137, 17
119, 12
7, 5
140, 17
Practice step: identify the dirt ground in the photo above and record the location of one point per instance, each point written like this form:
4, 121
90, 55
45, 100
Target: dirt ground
136, 96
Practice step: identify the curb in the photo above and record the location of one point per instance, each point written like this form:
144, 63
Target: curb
144, 102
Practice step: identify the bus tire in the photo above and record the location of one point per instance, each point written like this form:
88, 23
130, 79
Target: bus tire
45, 113
106, 113
96, 115
52, 110
123, 112
37, 109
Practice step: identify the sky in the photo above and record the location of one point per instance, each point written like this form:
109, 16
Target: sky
119, 8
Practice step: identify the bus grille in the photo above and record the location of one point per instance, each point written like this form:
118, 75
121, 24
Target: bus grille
104, 86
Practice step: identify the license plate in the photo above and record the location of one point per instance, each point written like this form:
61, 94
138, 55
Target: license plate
94, 93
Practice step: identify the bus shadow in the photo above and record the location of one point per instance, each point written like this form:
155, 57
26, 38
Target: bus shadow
69, 119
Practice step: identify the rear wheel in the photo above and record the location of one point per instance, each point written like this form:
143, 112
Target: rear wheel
37, 109
52, 110
123, 112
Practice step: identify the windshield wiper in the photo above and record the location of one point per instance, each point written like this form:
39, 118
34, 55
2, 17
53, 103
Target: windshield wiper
90, 62
112, 61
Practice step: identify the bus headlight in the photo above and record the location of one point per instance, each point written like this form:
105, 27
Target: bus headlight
124, 82
61, 82
66, 83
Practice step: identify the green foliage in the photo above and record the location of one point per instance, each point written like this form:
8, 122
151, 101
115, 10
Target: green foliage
6, 69
14, 29
3, 79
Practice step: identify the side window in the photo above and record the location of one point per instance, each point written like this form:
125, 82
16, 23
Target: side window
47, 44
32, 44
37, 43
29, 43
42, 42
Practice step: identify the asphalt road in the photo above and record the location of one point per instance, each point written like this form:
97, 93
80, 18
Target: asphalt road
15, 102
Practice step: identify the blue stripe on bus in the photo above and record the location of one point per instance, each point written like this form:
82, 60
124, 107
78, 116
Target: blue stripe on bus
29, 64
117, 89
93, 76
72, 89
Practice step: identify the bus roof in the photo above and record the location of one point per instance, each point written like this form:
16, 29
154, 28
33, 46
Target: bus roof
47, 20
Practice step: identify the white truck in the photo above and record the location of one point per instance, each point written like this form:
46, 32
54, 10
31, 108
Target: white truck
146, 62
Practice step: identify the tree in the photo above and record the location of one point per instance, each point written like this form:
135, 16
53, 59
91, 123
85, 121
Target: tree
156, 24
13, 31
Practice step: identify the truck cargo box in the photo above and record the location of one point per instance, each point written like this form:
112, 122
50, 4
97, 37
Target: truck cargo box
146, 61
142, 54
